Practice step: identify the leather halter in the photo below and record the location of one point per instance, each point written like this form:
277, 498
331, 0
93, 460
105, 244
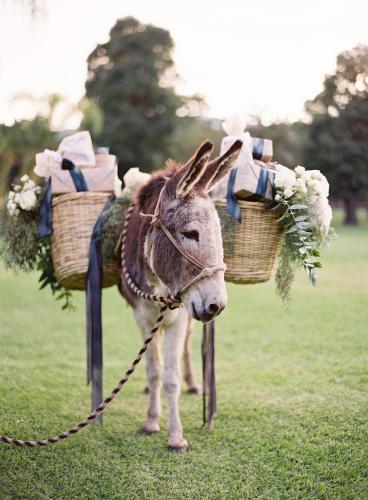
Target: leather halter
205, 271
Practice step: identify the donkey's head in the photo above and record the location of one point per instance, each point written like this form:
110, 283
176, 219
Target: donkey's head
189, 214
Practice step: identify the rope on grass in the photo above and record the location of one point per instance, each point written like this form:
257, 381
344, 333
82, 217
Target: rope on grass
88, 420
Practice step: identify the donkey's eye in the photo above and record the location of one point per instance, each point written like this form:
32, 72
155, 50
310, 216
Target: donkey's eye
191, 235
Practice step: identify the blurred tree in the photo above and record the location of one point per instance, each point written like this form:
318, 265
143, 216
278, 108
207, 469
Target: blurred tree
189, 134
130, 77
338, 134
19, 144
92, 119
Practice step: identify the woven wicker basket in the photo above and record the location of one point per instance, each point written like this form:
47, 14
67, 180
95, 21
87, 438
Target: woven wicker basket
74, 216
251, 247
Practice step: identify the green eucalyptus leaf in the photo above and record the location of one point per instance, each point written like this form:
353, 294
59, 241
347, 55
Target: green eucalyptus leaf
302, 217
298, 206
292, 229
304, 225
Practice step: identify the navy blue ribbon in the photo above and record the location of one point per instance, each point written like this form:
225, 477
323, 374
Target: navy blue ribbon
78, 178
262, 182
258, 145
265, 178
94, 282
232, 203
45, 224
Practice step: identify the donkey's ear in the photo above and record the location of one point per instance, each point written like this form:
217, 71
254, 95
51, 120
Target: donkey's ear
193, 170
220, 166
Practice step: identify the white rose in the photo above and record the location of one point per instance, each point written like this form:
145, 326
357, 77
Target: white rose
29, 184
27, 200
24, 178
301, 186
134, 180
299, 170
11, 195
11, 207
284, 177
46, 160
277, 197
16, 198
288, 192
322, 214
282, 180
16, 188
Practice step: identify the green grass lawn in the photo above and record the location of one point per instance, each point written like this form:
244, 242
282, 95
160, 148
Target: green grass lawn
292, 417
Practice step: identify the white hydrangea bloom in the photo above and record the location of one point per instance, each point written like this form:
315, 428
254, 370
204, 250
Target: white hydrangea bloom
46, 160
301, 186
11, 207
299, 170
289, 191
284, 177
27, 200
322, 214
134, 180
29, 184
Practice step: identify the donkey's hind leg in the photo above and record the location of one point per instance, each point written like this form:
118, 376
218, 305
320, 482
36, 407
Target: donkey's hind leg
154, 372
189, 375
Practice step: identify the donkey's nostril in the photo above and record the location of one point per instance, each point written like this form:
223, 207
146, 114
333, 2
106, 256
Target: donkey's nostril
213, 308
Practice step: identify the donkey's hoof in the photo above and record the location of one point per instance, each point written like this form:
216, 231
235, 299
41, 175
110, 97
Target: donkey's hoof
150, 428
194, 389
180, 446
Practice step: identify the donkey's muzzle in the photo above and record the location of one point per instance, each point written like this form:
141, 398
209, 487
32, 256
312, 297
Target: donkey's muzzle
208, 313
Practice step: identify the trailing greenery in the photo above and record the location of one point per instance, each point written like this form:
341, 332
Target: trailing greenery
21, 249
112, 227
19, 240
300, 247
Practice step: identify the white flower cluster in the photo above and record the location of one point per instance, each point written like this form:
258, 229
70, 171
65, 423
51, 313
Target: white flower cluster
23, 196
312, 187
45, 161
133, 181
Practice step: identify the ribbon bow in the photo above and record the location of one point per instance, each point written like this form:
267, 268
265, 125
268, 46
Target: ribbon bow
254, 151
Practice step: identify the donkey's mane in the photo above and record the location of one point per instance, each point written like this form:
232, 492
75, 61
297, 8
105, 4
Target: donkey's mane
150, 191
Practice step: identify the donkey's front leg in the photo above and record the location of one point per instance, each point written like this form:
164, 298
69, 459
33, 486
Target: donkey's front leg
175, 332
153, 369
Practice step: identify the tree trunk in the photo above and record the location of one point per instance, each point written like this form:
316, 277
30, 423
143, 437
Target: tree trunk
350, 205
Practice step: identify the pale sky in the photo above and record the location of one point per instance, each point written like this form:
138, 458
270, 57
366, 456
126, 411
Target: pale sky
259, 57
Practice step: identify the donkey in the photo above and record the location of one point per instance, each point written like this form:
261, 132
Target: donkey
179, 196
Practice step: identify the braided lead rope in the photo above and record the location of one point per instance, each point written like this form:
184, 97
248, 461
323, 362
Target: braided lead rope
88, 420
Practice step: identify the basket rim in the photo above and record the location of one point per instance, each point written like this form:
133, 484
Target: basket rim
261, 205
64, 197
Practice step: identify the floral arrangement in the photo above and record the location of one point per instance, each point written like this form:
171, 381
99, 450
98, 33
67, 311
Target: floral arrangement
21, 247
23, 196
302, 197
